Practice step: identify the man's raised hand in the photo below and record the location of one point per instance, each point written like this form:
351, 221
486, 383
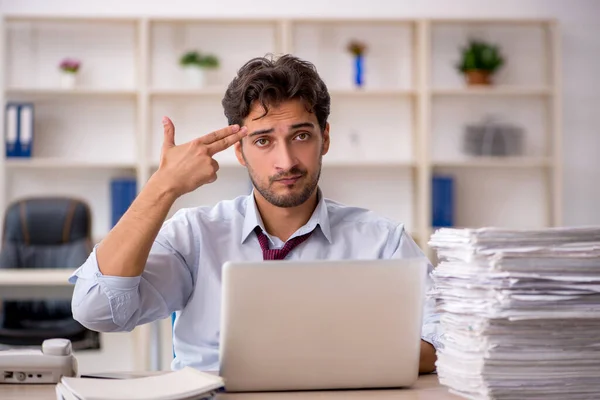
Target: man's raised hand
185, 167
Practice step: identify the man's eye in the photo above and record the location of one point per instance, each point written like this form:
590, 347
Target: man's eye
303, 136
262, 142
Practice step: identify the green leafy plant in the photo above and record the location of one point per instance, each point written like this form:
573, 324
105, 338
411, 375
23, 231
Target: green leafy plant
195, 58
482, 56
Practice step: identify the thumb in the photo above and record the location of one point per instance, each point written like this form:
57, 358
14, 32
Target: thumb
169, 133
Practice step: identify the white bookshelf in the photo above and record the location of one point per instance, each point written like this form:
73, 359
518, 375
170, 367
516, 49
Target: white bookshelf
404, 125
61, 163
391, 136
505, 91
57, 92
526, 93
496, 162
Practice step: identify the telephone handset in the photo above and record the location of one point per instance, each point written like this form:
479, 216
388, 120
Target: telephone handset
46, 365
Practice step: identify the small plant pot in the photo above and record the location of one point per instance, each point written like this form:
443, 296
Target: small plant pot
68, 80
478, 77
195, 76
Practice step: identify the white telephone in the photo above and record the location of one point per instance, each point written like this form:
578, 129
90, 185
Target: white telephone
48, 365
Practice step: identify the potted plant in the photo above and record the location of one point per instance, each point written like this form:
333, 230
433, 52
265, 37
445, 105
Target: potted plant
68, 71
358, 49
480, 60
194, 64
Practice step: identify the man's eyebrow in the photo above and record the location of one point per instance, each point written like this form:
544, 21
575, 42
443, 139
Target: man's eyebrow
292, 127
261, 132
302, 125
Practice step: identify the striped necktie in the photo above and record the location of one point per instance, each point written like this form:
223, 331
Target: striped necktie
278, 254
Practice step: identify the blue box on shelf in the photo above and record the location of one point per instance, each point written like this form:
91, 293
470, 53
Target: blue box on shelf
442, 199
19, 126
122, 192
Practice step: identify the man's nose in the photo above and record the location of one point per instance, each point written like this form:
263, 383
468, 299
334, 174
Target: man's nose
285, 157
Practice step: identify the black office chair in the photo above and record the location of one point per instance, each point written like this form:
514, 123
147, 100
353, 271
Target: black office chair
50, 232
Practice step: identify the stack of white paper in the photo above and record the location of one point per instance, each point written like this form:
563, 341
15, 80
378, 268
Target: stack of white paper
520, 312
184, 384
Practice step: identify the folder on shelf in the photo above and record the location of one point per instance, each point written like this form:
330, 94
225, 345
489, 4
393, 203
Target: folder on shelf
11, 133
442, 199
123, 192
25, 129
19, 129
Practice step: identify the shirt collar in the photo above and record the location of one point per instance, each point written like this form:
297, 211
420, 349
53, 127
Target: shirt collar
319, 217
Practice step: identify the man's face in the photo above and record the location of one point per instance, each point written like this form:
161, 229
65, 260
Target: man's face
283, 152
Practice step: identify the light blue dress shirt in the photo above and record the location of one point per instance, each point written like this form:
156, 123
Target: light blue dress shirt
183, 271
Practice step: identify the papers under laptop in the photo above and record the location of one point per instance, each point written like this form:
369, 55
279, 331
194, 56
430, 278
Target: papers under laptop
184, 384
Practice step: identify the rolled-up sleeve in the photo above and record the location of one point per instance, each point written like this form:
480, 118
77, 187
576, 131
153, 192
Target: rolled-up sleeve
112, 303
405, 247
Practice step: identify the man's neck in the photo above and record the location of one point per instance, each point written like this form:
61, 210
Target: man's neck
283, 222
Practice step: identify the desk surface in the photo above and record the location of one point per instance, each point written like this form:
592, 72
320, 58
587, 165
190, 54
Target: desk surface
427, 388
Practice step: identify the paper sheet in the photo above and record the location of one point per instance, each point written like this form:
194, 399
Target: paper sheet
520, 312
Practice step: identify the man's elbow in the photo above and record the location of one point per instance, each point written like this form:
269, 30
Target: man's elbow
95, 317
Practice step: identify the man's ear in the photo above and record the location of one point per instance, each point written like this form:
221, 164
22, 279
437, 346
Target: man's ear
238, 153
326, 139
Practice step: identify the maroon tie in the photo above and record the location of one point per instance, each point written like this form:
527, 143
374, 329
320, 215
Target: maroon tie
278, 254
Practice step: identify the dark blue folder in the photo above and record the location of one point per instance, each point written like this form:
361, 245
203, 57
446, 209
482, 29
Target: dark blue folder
442, 199
122, 193
18, 136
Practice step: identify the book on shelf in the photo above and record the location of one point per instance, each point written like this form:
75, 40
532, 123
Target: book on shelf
122, 192
184, 384
19, 129
442, 201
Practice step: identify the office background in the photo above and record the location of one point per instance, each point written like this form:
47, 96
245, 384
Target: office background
393, 137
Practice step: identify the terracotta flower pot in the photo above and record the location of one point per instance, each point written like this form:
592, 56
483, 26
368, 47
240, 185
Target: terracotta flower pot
478, 77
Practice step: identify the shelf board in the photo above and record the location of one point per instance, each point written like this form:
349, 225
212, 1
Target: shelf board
367, 163
38, 18
493, 91
38, 163
492, 21
80, 91
495, 162
220, 91
222, 164
35, 277
183, 92
367, 92
333, 164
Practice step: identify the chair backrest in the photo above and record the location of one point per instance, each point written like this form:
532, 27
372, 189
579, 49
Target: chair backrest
48, 232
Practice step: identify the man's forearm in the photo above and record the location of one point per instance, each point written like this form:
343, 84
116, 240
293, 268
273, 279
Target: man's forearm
427, 359
124, 251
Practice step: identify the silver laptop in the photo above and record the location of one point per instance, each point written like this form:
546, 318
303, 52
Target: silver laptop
292, 325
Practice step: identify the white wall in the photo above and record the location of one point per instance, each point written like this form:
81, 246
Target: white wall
581, 56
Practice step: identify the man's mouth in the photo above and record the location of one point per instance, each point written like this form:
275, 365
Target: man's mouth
290, 180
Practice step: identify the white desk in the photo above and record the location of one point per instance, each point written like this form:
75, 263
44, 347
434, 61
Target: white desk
426, 388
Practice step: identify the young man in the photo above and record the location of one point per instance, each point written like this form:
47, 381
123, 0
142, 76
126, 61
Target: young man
146, 268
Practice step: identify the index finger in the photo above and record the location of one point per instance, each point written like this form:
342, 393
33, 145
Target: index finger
220, 134
227, 141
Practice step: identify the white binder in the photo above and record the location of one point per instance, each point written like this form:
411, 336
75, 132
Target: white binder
12, 128
26, 129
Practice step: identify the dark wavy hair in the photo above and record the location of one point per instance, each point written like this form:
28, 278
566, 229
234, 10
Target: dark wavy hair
273, 81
